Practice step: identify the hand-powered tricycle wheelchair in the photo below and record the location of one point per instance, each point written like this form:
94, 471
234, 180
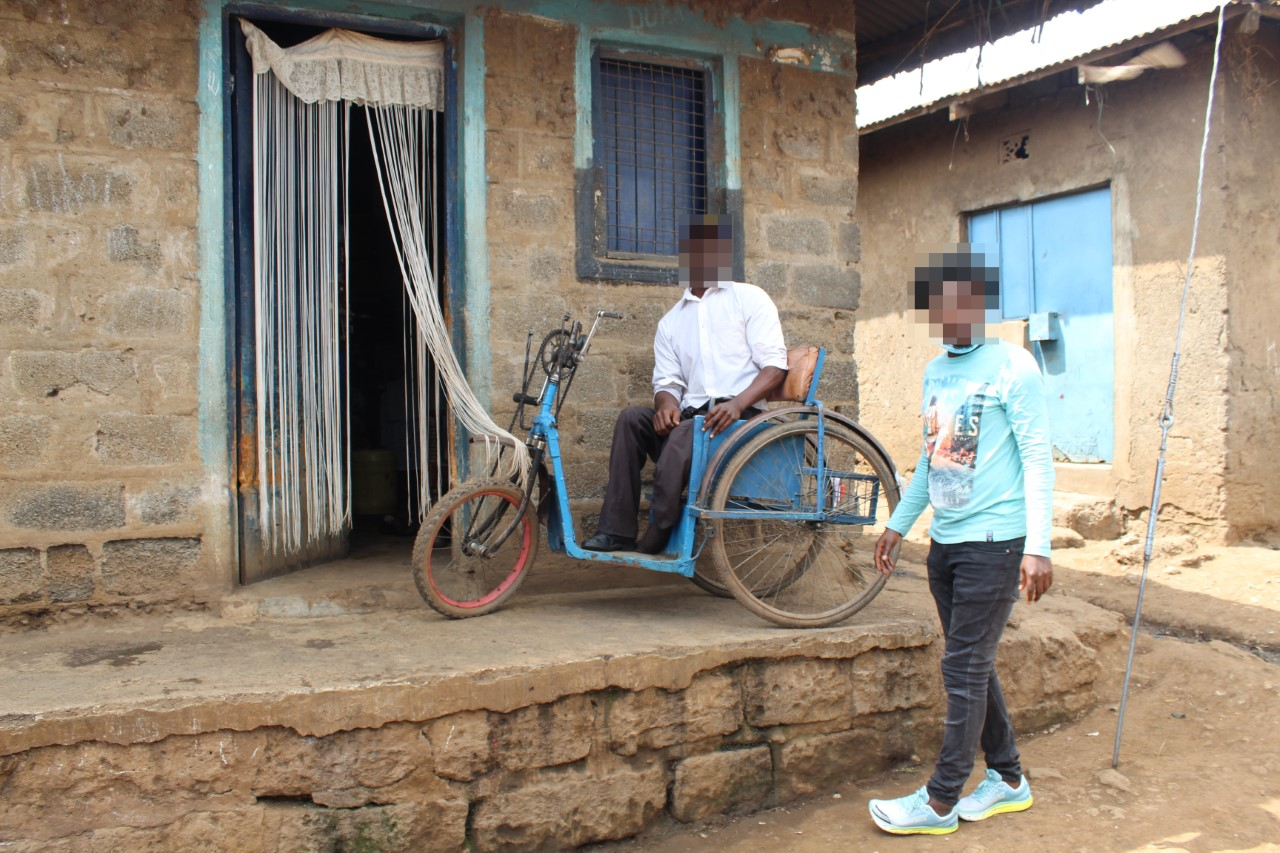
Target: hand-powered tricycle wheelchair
786, 503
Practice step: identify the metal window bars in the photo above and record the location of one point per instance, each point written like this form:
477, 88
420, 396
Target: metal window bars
654, 134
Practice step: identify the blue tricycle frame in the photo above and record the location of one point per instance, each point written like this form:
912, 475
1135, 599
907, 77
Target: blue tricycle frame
768, 499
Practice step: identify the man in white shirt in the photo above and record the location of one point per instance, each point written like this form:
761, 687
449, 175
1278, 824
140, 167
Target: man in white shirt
717, 353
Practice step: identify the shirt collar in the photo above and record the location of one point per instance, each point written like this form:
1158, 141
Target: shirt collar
689, 297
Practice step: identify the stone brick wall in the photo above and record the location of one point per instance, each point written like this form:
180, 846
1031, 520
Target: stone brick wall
800, 184
799, 174
99, 475
103, 499
682, 739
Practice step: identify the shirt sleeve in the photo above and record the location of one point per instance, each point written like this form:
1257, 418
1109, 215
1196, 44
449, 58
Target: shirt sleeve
764, 329
1028, 413
667, 375
914, 499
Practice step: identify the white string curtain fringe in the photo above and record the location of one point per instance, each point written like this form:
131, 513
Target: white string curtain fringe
402, 148
304, 494
302, 98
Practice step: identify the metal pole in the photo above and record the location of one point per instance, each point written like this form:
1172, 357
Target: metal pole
1166, 421
1166, 416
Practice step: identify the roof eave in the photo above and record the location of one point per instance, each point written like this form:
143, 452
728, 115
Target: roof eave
1233, 11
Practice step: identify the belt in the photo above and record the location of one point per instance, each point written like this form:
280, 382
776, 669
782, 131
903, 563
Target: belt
690, 411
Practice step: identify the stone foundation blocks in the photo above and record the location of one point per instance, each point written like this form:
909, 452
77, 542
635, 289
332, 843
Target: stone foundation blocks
69, 573
19, 576
23, 441
461, 745
545, 735
721, 783
812, 763
791, 692
567, 810
894, 681
656, 718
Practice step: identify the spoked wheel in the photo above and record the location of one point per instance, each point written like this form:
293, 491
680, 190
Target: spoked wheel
706, 571
461, 564
706, 575
802, 574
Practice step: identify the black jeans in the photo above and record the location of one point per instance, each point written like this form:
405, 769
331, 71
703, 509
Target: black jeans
974, 585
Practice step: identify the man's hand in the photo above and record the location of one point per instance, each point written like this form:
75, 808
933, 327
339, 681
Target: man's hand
886, 553
666, 418
722, 416
1037, 576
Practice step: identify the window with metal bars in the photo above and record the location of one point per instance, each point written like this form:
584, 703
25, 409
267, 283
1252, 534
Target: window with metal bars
657, 158
652, 133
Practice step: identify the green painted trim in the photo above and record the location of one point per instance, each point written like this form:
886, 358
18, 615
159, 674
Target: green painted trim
675, 27
472, 174
731, 115
584, 131
212, 386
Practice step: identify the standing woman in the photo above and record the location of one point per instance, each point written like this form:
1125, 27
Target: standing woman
987, 471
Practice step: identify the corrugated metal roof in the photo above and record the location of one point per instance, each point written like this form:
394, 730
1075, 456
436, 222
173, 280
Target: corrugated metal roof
895, 34
1071, 37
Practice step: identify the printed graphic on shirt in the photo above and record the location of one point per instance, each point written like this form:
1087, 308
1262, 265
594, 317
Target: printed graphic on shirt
952, 422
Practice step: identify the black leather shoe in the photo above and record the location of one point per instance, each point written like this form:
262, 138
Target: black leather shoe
609, 542
654, 540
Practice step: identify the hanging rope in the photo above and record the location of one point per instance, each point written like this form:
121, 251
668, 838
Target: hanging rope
1166, 416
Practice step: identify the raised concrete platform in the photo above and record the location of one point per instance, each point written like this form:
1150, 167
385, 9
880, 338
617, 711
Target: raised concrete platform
562, 720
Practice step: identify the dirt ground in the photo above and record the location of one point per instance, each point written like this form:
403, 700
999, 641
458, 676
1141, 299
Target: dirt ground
1200, 756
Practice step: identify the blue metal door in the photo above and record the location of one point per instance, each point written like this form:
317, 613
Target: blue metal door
1055, 272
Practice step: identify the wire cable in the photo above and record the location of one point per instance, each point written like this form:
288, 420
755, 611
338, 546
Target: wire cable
1166, 415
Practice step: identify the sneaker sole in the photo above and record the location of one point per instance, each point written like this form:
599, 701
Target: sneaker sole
914, 830
1000, 808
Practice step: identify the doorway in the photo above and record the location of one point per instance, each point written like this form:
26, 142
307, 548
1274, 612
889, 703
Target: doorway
1055, 273
385, 456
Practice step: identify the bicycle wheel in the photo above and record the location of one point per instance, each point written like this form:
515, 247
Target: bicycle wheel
706, 572
802, 574
452, 566
706, 575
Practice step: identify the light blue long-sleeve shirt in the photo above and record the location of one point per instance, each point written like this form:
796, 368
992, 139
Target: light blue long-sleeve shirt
987, 464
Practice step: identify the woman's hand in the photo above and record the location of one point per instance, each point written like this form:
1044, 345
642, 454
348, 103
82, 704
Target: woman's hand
886, 553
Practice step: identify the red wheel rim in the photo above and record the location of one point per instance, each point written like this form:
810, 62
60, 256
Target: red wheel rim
522, 557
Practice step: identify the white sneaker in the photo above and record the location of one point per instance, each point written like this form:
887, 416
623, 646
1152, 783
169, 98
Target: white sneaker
912, 815
993, 796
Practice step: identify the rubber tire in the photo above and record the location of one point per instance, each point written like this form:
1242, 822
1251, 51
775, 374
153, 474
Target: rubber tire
709, 581
435, 520
719, 496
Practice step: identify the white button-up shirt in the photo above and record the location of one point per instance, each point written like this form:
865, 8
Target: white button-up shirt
715, 346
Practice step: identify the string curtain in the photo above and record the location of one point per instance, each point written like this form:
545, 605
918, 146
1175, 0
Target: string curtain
302, 100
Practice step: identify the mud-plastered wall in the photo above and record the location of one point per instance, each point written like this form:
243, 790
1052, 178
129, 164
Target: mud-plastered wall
919, 179
1251, 108
100, 479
